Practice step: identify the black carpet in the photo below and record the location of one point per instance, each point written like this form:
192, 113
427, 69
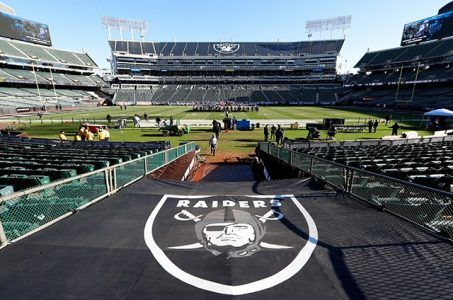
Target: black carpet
101, 252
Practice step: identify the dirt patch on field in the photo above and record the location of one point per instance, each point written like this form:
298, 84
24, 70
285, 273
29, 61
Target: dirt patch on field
212, 162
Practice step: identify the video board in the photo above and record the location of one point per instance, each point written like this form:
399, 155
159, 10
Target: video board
17, 28
433, 28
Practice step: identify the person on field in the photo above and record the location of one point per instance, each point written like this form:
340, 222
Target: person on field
375, 125
273, 130
62, 136
89, 136
217, 129
106, 133
395, 128
266, 133
213, 144
279, 135
77, 138
101, 135
387, 119
331, 133
109, 118
81, 132
136, 121
370, 126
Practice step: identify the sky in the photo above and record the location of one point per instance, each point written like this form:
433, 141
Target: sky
76, 24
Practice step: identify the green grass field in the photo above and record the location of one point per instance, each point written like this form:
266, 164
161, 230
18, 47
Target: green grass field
265, 113
239, 143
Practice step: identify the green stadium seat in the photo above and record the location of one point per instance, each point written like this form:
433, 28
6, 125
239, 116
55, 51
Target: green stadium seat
20, 181
53, 173
6, 190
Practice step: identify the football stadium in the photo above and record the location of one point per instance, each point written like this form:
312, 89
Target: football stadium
221, 168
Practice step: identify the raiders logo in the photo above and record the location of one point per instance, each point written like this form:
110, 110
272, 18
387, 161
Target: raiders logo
226, 48
200, 239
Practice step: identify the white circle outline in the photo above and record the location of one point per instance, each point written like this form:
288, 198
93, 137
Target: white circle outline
289, 271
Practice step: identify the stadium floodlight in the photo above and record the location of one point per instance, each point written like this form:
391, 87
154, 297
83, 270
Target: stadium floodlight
112, 23
330, 24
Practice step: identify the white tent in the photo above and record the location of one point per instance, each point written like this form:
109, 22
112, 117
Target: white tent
442, 112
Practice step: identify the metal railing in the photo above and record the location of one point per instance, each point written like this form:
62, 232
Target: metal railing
378, 142
25, 212
425, 206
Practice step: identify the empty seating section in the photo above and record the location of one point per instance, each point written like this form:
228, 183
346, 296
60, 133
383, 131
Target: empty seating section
7, 49
57, 78
42, 53
189, 94
80, 80
166, 49
85, 59
33, 76
15, 92
424, 97
327, 96
65, 56
4, 76
13, 98
310, 95
409, 53
429, 164
27, 163
70, 93
36, 52
135, 48
45, 77
124, 96
244, 49
25, 75
445, 48
98, 80
190, 49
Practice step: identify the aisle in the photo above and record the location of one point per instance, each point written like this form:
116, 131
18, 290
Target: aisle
228, 172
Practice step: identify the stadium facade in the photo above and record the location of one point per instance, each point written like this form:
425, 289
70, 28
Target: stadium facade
245, 72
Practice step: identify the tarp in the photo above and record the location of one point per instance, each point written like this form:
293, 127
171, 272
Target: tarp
163, 239
442, 112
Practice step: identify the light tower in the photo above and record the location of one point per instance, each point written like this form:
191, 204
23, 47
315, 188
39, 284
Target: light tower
121, 25
329, 24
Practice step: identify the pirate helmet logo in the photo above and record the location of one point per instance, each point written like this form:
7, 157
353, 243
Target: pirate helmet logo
226, 48
235, 233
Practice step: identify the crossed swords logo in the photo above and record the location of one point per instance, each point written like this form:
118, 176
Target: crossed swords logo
186, 216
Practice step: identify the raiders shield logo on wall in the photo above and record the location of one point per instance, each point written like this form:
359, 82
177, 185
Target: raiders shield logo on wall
201, 240
226, 48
